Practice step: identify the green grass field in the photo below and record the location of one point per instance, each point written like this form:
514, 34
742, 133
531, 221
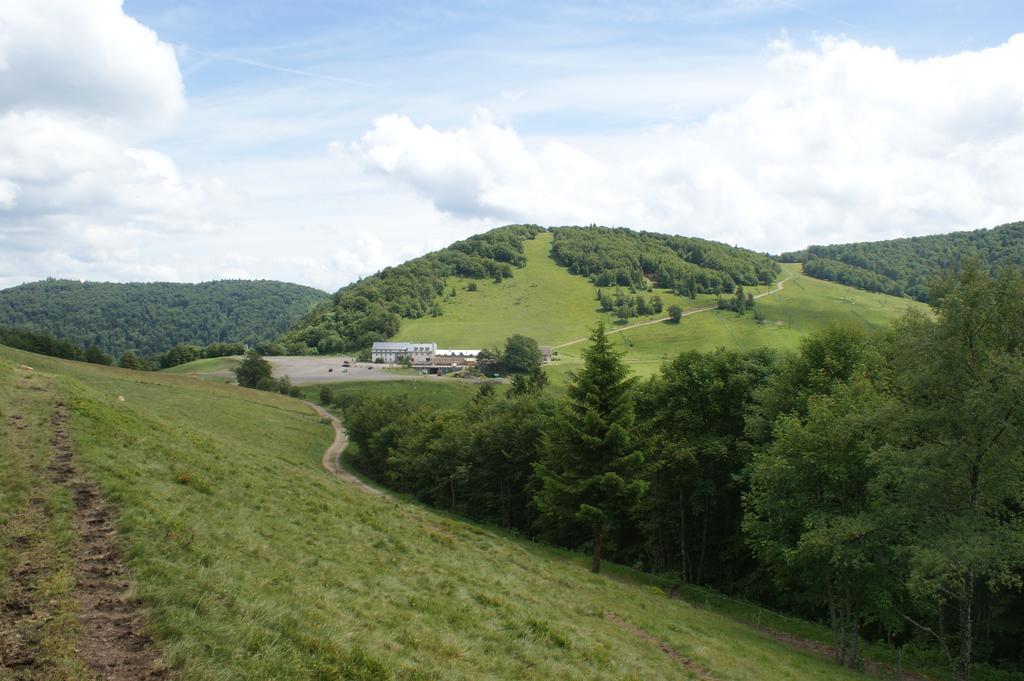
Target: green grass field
205, 366
253, 562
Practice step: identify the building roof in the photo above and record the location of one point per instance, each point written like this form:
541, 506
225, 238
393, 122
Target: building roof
453, 352
407, 347
388, 345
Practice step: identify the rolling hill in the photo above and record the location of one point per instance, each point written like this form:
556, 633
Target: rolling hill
551, 294
152, 317
508, 277
545, 301
907, 266
233, 554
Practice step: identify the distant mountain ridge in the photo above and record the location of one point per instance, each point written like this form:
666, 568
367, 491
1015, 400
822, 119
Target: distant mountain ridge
906, 267
151, 317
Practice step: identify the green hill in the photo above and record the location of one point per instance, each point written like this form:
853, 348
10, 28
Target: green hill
552, 294
152, 317
545, 301
508, 278
907, 266
250, 561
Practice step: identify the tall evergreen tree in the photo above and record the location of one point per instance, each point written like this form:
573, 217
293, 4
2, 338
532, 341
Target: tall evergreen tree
590, 471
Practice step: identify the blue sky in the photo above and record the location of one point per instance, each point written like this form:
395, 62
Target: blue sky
320, 141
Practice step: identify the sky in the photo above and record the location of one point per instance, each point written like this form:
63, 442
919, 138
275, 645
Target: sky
318, 142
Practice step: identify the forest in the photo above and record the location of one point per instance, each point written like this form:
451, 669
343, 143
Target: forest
151, 318
904, 267
874, 481
623, 257
371, 309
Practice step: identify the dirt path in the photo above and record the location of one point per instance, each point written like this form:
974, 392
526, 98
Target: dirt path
332, 455
113, 640
68, 609
708, 308
687, 664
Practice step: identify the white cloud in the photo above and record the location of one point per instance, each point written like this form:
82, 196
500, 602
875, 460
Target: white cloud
485, 170
57, 165
79, 81
85, 57
843, 142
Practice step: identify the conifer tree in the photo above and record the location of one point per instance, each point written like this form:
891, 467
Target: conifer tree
589, 471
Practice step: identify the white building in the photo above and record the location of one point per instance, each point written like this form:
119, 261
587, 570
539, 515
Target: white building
391, 352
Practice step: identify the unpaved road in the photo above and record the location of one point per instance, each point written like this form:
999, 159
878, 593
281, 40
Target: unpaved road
778, 287
332, 455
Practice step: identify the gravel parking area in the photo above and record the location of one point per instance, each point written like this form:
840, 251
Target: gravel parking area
306, 370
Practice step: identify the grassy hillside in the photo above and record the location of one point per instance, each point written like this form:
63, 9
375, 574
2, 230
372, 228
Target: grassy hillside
546, 302
253, 562
203, 368
424, 288
151, 317
803, 306
542, 300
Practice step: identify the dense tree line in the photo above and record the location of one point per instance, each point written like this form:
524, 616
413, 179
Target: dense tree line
44, 343
906, 267
872, 481
623, 257
372, 309
150, 318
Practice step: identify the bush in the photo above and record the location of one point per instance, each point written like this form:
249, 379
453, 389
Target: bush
254, 371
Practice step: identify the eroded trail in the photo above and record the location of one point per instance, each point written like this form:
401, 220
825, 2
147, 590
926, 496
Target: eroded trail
113, 641
332, 455
67, 608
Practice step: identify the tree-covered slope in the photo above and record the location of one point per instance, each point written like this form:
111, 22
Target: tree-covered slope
906, 266
623, 257
151, 317
372, 308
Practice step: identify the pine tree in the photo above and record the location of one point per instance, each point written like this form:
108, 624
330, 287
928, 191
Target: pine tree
589, 471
